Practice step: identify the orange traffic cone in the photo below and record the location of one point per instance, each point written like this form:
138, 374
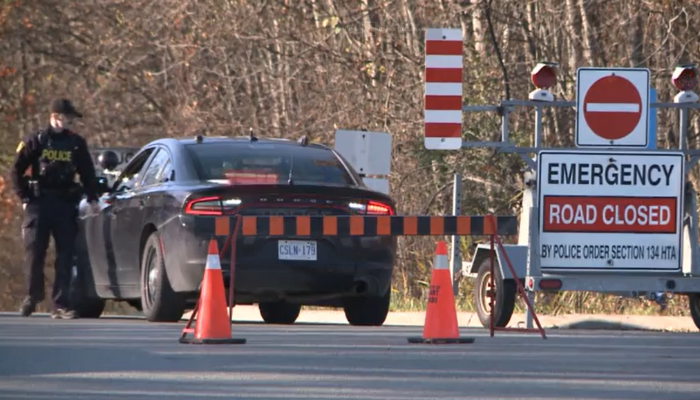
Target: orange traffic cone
441, 316
213, 324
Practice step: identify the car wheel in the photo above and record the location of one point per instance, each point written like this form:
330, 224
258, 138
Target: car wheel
279, 312
694, 303
504, 300
160, 303
367, 311
84, 305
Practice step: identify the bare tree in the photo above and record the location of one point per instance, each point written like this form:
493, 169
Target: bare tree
147, 69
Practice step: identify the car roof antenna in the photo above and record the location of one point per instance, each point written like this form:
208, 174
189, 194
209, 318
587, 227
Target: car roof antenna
290, 181
252, 137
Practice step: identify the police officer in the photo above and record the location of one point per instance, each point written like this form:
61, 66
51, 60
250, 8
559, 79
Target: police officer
50, 196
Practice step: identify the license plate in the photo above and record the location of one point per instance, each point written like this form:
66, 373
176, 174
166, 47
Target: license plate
297, 250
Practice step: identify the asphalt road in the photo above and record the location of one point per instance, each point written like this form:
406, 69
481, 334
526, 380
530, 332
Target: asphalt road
117, 358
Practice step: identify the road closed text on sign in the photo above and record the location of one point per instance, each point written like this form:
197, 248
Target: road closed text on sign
610, 211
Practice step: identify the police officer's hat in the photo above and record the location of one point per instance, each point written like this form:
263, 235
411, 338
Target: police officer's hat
64, 106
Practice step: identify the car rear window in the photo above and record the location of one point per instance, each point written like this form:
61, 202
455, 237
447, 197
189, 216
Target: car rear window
267, 163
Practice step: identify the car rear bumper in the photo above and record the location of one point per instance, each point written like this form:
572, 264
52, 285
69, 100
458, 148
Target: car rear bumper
262, 282
344, 266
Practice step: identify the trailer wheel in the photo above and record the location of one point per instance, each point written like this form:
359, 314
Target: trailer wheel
504, 299
694, 304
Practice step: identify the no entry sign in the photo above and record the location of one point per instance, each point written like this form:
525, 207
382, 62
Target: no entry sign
612, 107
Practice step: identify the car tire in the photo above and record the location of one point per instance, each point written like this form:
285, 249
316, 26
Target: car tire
159, 302
84, 305
694, 305
367, 311
279, 312
504, 300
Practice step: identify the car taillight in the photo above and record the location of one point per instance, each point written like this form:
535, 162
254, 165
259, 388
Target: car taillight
377, 208
371, 208
210, 206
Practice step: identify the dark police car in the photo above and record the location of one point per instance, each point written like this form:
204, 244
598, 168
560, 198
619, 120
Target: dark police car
144, 247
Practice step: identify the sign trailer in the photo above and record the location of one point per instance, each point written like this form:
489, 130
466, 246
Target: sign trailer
612, 215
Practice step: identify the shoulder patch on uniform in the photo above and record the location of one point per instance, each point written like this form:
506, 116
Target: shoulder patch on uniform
20, 146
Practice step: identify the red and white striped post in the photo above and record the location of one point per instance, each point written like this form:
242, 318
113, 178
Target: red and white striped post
443, 89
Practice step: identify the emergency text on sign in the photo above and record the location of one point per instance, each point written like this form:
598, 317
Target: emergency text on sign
612, 174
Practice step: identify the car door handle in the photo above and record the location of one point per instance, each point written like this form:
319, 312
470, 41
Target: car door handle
142, 203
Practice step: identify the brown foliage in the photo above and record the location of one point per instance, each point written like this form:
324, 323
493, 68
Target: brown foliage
143, 70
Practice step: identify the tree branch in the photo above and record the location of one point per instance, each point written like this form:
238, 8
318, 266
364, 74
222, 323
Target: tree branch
496, 47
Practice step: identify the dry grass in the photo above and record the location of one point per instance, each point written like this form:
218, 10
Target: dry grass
558, 304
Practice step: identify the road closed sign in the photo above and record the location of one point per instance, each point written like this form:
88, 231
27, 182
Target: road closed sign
610, 211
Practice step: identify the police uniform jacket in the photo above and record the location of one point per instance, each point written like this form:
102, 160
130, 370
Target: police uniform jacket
54, 158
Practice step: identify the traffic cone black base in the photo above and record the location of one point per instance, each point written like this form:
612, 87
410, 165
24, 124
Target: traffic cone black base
459, 340
192, 340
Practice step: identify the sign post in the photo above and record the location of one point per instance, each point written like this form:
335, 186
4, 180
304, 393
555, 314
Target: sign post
651, 145
612, 106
